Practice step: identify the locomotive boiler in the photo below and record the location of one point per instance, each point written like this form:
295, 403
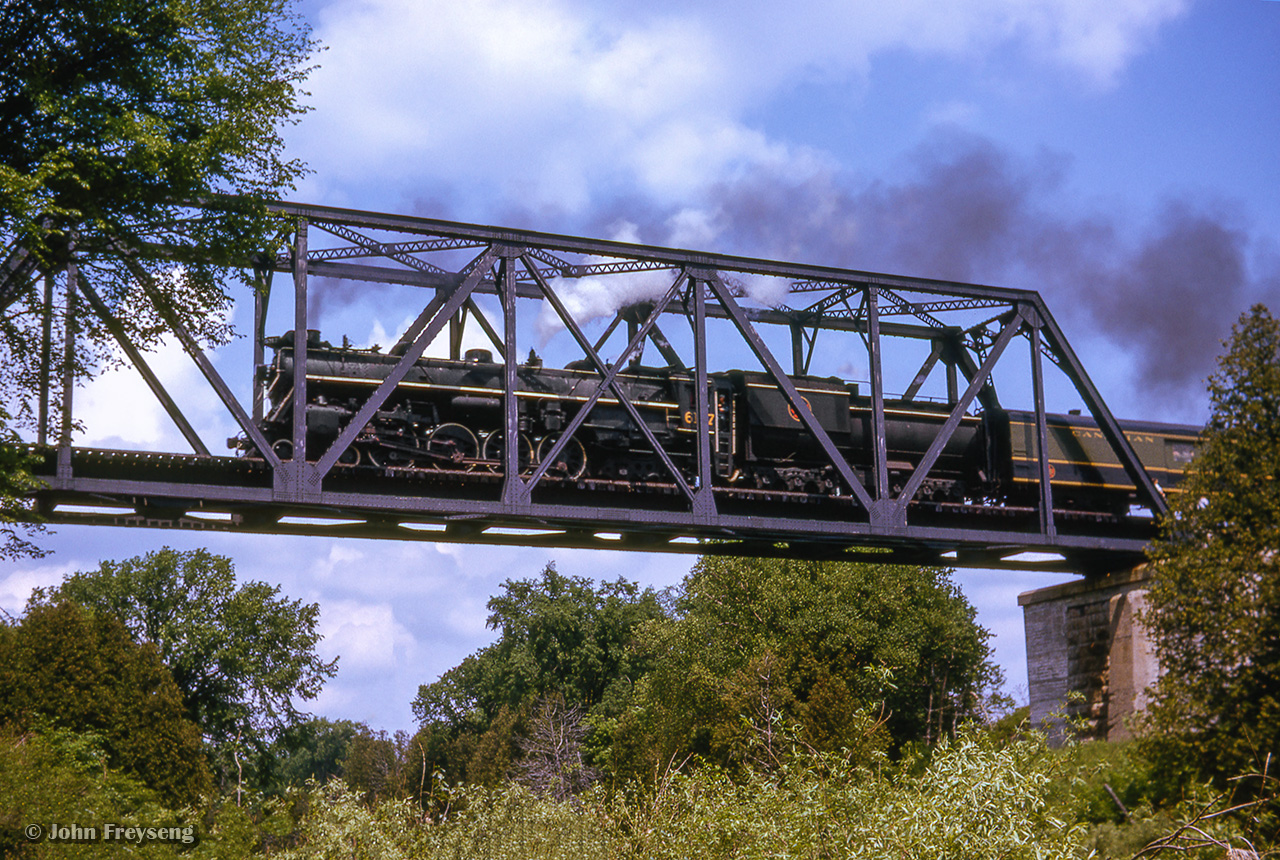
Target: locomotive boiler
447, 416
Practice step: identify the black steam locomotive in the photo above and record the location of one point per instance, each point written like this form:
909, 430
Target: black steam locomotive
446, 415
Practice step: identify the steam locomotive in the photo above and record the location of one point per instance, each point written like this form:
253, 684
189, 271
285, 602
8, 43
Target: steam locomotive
447, 415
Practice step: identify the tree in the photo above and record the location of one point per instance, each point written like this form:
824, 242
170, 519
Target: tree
560, 636
113, 113
16, 482
854, 656
66, 668
240, 654
378, 765
116, 116
553, 764
1212, 606
310, 750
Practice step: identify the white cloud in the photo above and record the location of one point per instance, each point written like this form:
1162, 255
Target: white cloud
118, 409
365, 637
16, 585
557, 102
1096, 38
337, 563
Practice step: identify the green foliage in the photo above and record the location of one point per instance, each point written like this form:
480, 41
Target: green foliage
61, 776
1216, 577
116, 116
484, 824
559, 635
113, 110
313, 750
855, 657
63, 667
240, 654
972, 799
377, 765
976, 795
858, 657
16, 484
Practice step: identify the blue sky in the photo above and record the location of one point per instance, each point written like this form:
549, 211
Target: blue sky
1120, 156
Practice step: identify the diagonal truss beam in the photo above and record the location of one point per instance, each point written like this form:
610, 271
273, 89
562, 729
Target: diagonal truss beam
948, 429
364, 246
925, 369
419, 335
610, 374
192, 347
472, 311
15, 274
617, 389
372, 247
757, 344
1147, 489
117, 331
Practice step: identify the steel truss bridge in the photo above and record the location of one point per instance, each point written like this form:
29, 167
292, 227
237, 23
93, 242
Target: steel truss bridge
964, 330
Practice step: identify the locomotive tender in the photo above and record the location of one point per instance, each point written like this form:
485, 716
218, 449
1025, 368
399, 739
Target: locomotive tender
446, 415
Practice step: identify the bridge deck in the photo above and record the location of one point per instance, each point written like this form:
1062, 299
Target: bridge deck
186, 491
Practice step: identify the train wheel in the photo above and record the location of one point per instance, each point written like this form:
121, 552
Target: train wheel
572, 461
453, 447
283, 448
350, 457
491, 453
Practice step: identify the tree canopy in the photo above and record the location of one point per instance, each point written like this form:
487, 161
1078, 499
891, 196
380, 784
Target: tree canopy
559, 636
63, 667
116, 116
16, 482
1216, 574
852, 656
241, 655
113, 112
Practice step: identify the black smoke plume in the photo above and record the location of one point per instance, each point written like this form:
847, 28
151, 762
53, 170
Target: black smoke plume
969, 211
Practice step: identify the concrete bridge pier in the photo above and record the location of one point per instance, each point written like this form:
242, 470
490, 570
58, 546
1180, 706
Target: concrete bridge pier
1084, 637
